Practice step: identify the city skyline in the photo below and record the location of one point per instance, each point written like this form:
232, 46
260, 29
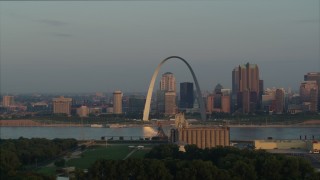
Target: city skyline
49, 47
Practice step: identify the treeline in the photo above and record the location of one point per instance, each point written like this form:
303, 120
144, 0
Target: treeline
19, 155
167, 162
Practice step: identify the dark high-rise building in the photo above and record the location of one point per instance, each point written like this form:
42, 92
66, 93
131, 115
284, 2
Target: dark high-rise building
246, 88
186, 95
136, 104
160, 101
279, 101
261, 90
217, 96
314, 76
309, 95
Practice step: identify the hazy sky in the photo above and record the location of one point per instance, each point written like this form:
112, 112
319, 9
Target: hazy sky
83, 46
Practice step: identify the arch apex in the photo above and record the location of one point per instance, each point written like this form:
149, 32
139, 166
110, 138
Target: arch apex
146, 111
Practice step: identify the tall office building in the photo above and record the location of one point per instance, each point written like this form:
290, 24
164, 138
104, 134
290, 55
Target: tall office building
279, 101
160, 101
225, 104
136, 104
170, 103
309, 95
62, 105
217, 96
117, 102
219, 101
166, 96
314, 76
210, 102
246, 87
186, 95
7, 101
168, 82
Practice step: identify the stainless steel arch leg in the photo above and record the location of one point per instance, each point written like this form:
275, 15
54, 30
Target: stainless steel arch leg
151, 86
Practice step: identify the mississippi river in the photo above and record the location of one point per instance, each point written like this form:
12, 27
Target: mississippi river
86, 133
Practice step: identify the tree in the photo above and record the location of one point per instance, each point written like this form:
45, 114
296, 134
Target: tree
271, 168
155, 169
9, 163
243, 171
60, 163
164, 151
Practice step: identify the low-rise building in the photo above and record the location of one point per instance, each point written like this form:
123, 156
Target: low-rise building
83, 111
312, 146
280, 144
203, 137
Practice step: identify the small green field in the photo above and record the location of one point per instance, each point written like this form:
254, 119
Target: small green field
139, 153
113, 152
49, 171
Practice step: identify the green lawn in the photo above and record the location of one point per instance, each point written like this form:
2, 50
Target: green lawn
49, 171
114, 152
140, 153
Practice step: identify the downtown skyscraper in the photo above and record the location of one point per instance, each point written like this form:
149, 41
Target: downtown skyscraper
247, 88
168, 82
117, 102
309, 95
314, 76
166, 96
186, 95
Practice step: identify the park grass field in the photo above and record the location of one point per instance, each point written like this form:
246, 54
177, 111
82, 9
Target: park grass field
112, 152
49, 171
140, 153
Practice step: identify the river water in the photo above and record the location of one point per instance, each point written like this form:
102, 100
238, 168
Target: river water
85, 133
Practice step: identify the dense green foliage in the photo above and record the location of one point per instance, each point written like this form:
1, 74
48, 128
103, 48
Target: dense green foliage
60, 163
166, 162
20, 154
94, 153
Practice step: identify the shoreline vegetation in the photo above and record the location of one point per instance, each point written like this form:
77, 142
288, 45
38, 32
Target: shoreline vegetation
46, 123
40, 158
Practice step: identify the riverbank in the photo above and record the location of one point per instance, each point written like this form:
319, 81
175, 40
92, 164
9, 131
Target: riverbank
32, 123
275, 126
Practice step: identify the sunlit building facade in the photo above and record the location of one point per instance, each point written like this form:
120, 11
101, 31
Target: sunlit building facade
117, 102
62, 105
170, 103
246, 88
166, 96
168, 82
7, 101
202, 137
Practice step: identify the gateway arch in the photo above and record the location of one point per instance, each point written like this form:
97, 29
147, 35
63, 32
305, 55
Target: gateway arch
151, 86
